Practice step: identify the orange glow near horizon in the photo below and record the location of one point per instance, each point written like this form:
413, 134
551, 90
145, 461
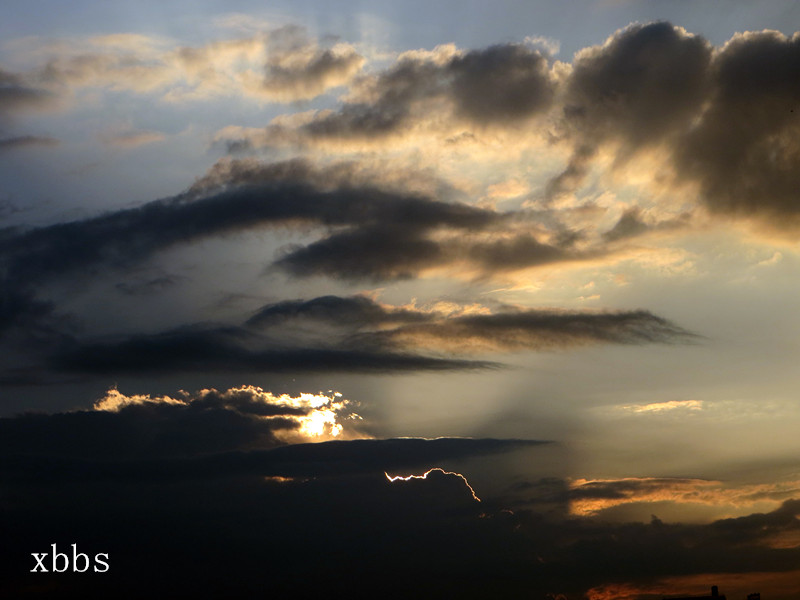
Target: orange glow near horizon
775, 585
394, 478
767, 496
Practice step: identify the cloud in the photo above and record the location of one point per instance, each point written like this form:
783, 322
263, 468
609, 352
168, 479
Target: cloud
503, 83
202, 349
209, 478
533, 330
377, 252
352, 335
633, 223
210, 433
26, 141
142, 287
132, 139
743, 152
640, 85
732, 585
638, 90
18, 95
589, 497
334, 495
190, 424
520, 251
407, 328
659, 407
498, 85
281, 193
280, 65
355, 311
298, 69
726, 119
650, 88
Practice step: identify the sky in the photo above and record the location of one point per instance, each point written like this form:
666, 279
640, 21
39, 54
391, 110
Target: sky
420, 299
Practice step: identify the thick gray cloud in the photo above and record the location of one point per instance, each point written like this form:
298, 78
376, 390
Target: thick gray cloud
206, 424
376, 253
369, 233
503, 84
281, 195
355, 311
333, 334
320, 459
641, 88
535, 330
379, 326
744, 152
518, 252
230, 349
638, 87
241, 197
239, 427
727, 117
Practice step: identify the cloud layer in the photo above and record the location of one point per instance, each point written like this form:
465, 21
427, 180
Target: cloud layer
205, 476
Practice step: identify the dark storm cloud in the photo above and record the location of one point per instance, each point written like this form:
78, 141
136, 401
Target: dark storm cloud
167, 471
231, 349
187, 457
26, 141
211, 433
21, 308
148, 286
759, 526
204, 425
277, 519
238, 536
642, 553
744, 152
209, 484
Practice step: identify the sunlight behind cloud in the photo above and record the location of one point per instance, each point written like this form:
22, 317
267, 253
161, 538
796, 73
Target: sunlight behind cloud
311, 417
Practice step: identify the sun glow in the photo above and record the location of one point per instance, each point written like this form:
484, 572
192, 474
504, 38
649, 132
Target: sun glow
394, 478
310, 417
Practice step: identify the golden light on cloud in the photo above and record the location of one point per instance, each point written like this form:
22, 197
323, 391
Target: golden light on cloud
591, 496
315, 416
393, 478
659, 407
